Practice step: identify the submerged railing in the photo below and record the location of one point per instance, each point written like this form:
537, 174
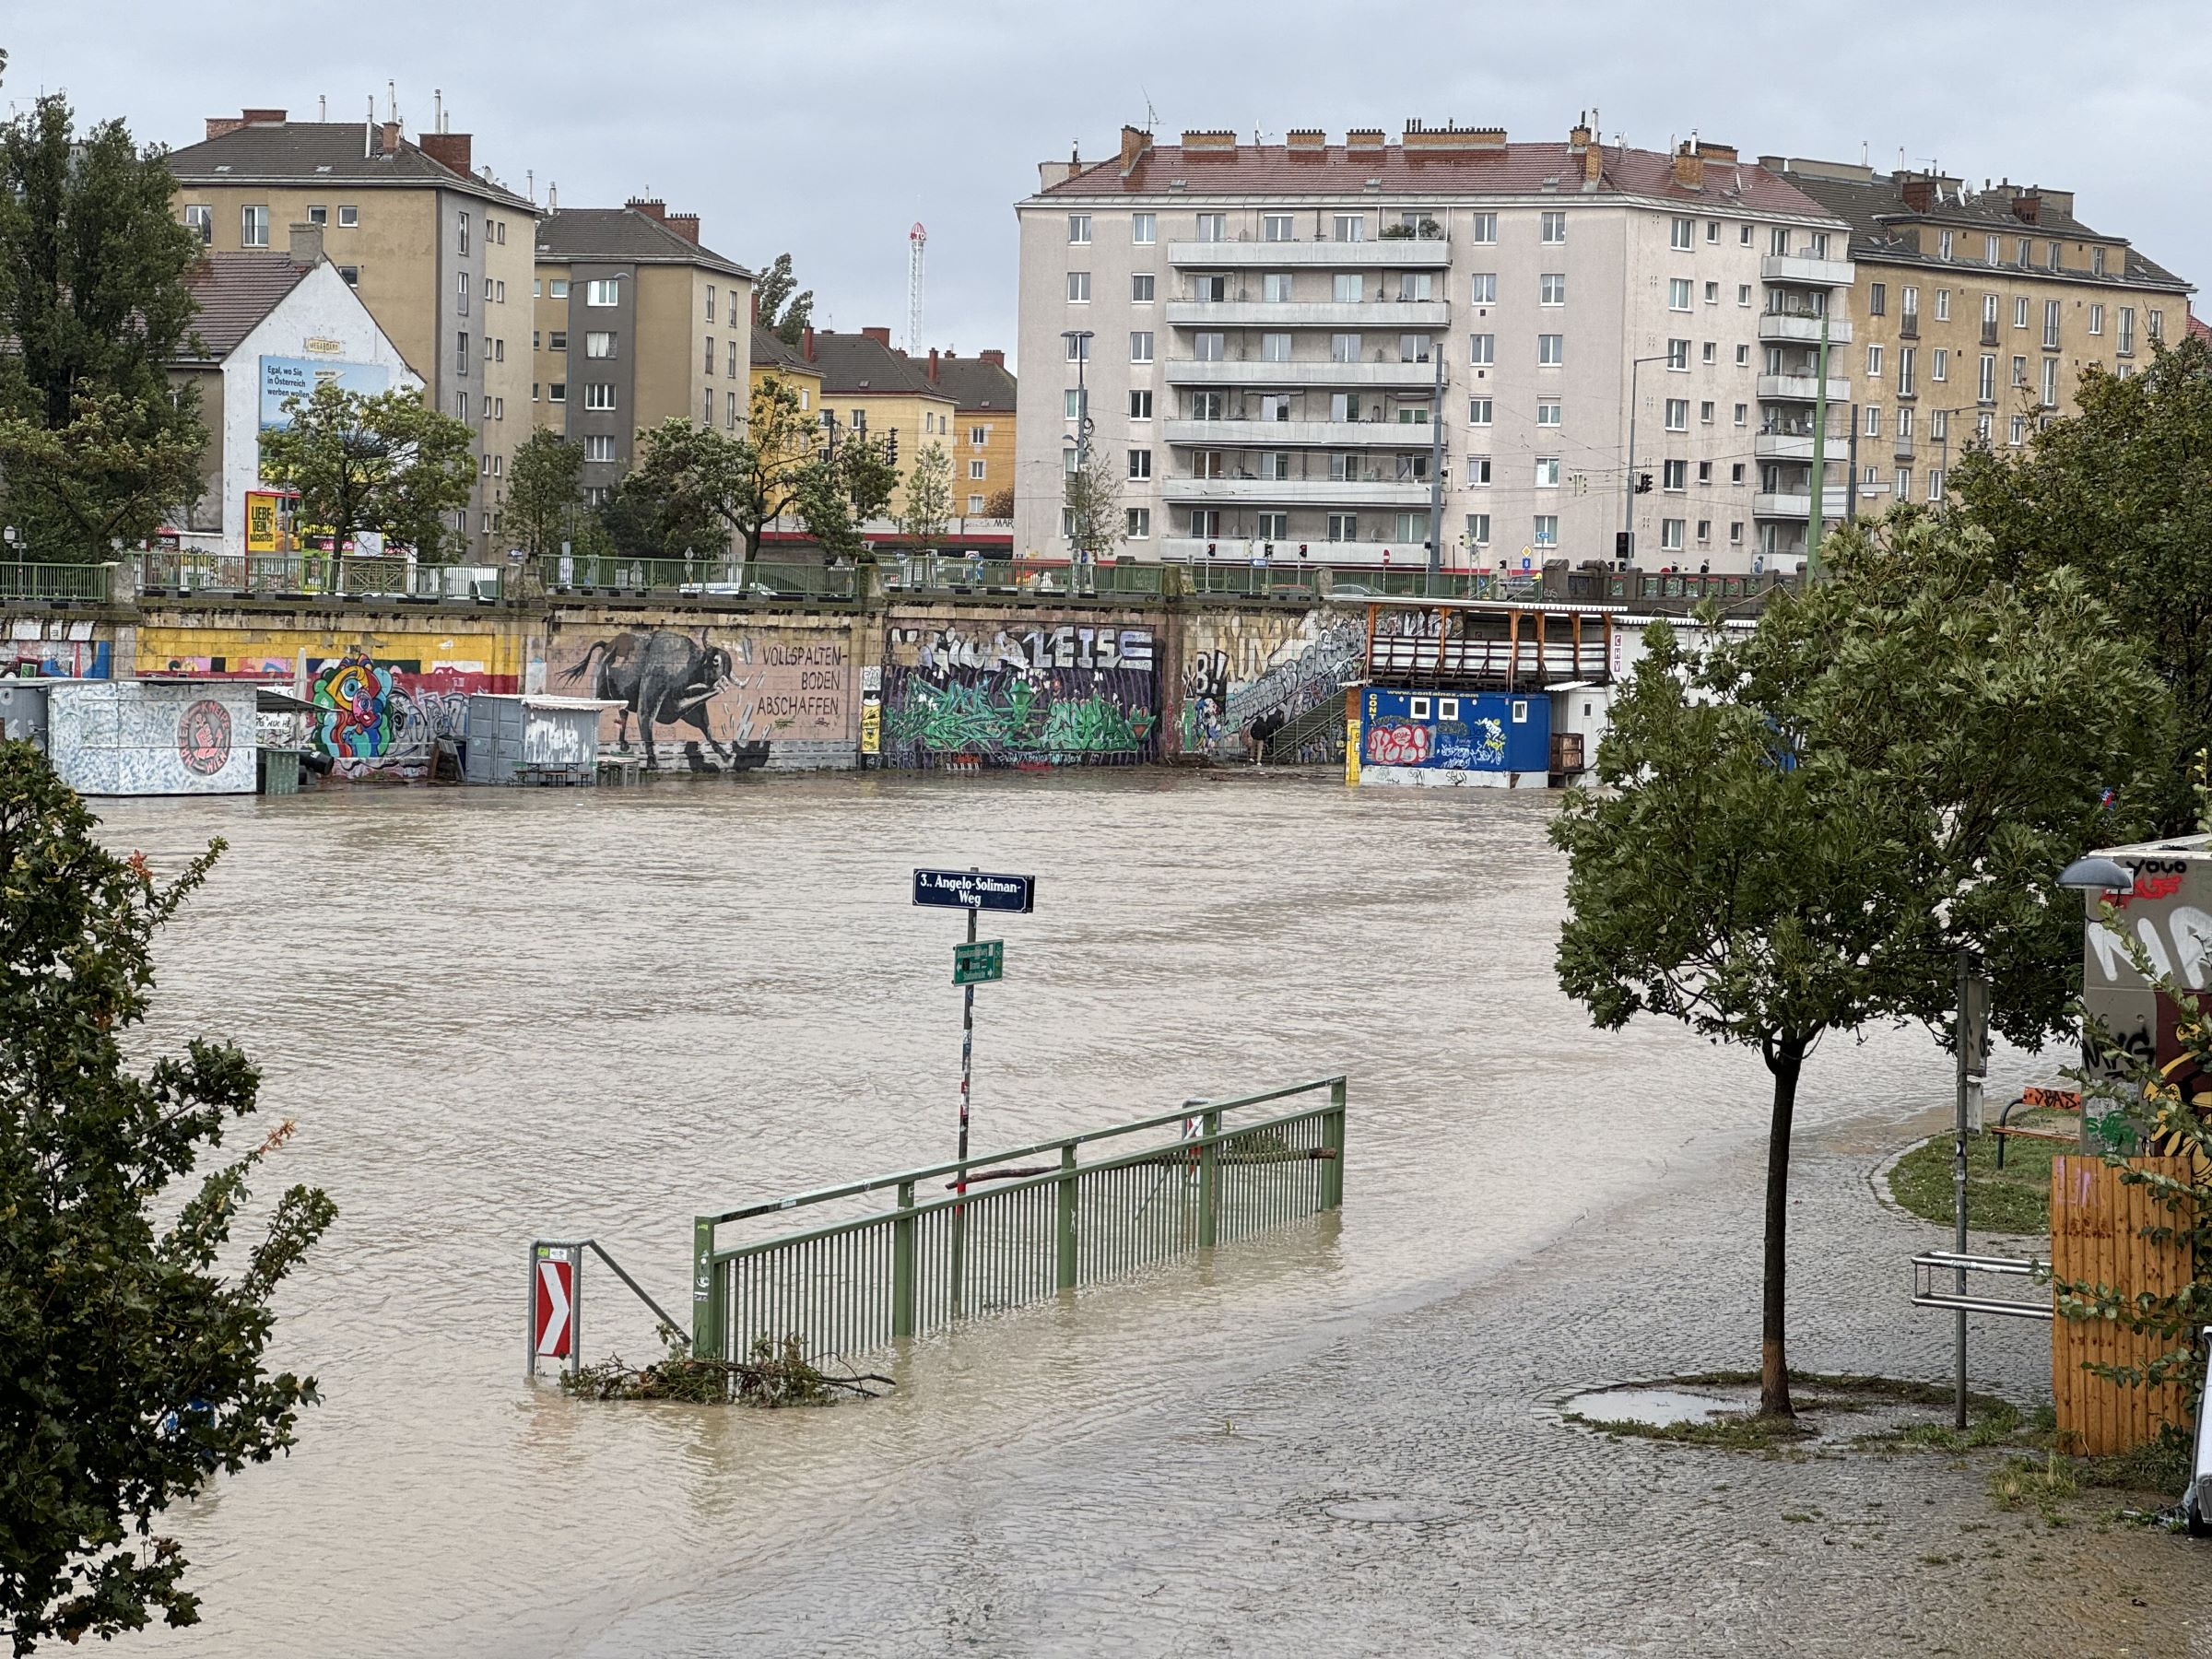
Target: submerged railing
1111, 1202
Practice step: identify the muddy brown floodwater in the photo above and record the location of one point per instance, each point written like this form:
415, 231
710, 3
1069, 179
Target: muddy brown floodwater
501, 1014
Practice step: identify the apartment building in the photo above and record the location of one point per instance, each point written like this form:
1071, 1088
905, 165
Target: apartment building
1978, 313
772, 359
982, 426
637, 321
871, 389
1267, 335
433, 246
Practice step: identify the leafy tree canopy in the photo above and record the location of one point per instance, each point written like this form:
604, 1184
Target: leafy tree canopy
544, 488
925, 514
131, 1363
784, 308
384, 462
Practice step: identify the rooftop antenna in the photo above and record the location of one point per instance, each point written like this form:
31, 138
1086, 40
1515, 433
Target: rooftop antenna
321, 108
437, 108
917, 242
368, 131
552, 195
530, 182
1152, 116
391, 99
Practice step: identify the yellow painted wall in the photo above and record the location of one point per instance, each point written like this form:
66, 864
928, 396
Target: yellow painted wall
248, 649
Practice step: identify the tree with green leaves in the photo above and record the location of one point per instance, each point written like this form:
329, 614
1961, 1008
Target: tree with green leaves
1799, 831
133, 1341
96, 446
867, 474
647, 518
1093, 499
747, 482
925, 512
383, 462
544, 488
1000, 503
2122, 492
783, 309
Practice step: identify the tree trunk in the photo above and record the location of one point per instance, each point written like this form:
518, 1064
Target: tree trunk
1785, 1058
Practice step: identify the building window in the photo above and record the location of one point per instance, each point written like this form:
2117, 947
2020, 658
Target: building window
557, 289
1351, 227
1712, 293
1140, 406
461, 352
1478, 529
2127, 331
1140, 463
1704, 472
1705, 412
599, 446
199, 218
1743, 414
1874, 363
2154, 324
605, 291
1413, 349
1551, 350
253, 227
1144, 229
1479, 470
1677, 355
1551, 287
1483, 289
2096, 318
1907, 382
1548, 472
1079, 228
1706, 353
1138, 519
1940, 364
557, 391
1344, 527
975, 507
1278, 228
1482, 348
1680, 232
1078, 287
1943, 305
1140, 347
977, 471
348, 217
1078, 348
1670, 535
1547, 414
1986, 390
1273, 527
2020, 371
351, 276
979, 436
1554, 228
1743, 357
1479, 411
2050, 387
598, 395
1678, 414
709, 365
1276, 348
1777, 240
1674, 476
1736, 533
1877, 299
1213, 227
1278, 288
461, 292
1677, 293
1942, 245
2051, 311
1546, 530
2019, 312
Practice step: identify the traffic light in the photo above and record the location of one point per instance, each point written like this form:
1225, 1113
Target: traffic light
1643, 483
890, 452
1209, 549
1624, 545
1302, 550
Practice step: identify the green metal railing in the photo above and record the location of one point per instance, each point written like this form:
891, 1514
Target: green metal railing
86, 582
693, 578
1101, 1209
969, 574
341, 575
1632, 586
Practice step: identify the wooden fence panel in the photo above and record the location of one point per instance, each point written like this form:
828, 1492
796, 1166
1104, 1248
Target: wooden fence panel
2096, 1238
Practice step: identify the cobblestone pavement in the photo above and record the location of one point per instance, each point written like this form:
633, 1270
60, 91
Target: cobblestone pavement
1456, 1517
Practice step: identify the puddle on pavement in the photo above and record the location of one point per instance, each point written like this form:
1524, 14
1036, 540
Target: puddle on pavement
1658, 1407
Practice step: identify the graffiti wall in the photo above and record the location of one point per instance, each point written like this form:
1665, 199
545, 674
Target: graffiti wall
714, 698
975, 694
2168, 913
385, 698
39, 648
1269, 668
128, 738
1446, 738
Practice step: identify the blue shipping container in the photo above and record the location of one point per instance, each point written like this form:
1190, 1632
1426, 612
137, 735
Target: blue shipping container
1454, 737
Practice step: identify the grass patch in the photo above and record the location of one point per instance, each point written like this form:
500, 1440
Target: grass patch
2014, 1199
1730, 1431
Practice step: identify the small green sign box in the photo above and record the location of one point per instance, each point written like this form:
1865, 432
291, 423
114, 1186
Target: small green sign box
979, 963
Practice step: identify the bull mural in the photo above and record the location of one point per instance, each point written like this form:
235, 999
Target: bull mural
663, 677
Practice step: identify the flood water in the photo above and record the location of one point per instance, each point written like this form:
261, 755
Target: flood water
502, 1014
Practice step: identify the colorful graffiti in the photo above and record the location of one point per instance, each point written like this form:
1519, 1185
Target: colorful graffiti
362, 724
716, 698
1018, 717
80, 658
385, 718
204, 738
1240, 672
1441, 737
1397, 743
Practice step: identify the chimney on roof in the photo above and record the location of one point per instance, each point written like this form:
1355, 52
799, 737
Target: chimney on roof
389, 136
306, 244
1363, 138
449, 149
1215, 138
685, 225
652, 207
1919, 190
932, 363
1690, 167
882, 336
1577, 137
994, 356
1311, 140
1136, 141
1451, 137
222, 127
261, 117
1711, 150
2027, 206
806, 346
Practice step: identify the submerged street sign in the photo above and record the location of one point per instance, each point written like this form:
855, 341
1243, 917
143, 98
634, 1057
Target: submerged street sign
973, 890
980, 963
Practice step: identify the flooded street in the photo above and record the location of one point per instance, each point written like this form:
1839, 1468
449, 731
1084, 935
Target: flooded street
500, 1014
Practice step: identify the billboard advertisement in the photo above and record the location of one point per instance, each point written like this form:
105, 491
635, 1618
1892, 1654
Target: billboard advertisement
284, 378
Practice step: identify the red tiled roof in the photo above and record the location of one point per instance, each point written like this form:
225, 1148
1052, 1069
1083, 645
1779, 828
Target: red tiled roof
1260, 170
2199, 328
235, 291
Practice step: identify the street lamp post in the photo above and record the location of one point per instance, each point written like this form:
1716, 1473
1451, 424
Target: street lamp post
1079, 341
1628, 493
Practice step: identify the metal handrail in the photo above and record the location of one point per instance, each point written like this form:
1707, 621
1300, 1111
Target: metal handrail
1926, 1267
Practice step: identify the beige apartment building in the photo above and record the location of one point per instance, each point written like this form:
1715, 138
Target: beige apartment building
1269, 336
984, 391
870, 389
637, 322
1978, 313
439, 250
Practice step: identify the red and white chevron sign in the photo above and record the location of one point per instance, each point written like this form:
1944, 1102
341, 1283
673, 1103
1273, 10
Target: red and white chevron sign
556, 1323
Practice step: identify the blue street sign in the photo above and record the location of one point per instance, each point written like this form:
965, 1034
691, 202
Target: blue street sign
973, 890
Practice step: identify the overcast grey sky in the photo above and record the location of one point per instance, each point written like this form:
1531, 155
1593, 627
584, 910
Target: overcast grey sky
828, 127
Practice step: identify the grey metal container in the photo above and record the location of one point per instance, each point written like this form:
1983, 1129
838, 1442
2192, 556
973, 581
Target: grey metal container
531, 740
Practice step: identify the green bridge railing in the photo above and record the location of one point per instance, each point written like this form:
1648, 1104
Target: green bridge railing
1111, 1202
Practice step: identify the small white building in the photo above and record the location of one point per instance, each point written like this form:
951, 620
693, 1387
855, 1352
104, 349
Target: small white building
271, 326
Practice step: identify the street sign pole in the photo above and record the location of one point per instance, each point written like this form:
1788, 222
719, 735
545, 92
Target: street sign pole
1973, 1061
960, 1183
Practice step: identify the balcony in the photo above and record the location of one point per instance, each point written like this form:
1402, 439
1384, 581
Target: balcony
1800, 388
1989, 333
1297, 492
1390, 314
1799, 506
1302, 434
1908, 326
1410, 254
1301, 372
1803, 327
1902, 448
1805, 272
1796, 446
